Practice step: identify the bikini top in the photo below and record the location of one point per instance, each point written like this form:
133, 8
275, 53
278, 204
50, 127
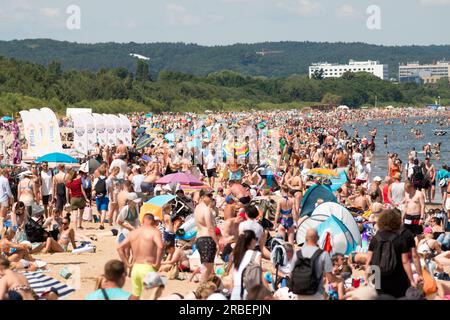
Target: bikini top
286, 212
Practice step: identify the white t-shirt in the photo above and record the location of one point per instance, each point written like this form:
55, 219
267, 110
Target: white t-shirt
251, 225
47, 183
357, 157
210, 161
237, 274
123, 215
137, 180
362, 172
122, 166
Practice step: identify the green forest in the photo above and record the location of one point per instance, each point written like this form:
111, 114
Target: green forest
25, 85
268, 59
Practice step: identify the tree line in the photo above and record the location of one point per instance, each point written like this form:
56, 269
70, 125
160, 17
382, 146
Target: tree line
25, 85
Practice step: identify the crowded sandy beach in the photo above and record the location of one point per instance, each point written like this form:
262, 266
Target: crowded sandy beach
273, 205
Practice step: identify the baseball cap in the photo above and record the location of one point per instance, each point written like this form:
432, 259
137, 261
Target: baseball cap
153, 280
428, 230
377, 179
208, 193
132, 196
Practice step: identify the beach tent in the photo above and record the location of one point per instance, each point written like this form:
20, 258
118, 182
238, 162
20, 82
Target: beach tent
339, 182
308, 223
338, 235
343, 107
342, 214
314, 193
155, 205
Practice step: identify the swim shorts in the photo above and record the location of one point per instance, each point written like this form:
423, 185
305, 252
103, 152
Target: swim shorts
138, 274
102, 203
207, 249
245, 200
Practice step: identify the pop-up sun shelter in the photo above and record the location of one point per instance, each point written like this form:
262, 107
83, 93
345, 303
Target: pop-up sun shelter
342, 214
313, 194
308, 223
339, 238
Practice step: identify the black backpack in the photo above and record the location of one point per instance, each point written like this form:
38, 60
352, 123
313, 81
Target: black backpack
100, 188
417, 174
303, 279
34, 231
384, 255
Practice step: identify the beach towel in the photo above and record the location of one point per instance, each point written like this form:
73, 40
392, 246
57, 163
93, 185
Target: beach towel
41, 283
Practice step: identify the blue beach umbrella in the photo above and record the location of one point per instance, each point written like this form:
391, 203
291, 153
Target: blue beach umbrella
7, 118
57, 157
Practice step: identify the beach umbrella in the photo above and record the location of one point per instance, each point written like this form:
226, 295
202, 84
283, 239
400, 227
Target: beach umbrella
41, 283
241, 150
140, 130
143, 141
189, 189
343, 107
323, 173
7, 118
57, 157
149, 115
181, 178
155, 205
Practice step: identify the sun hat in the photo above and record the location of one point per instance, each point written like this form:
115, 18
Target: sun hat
132, 196
377, 179
428, 230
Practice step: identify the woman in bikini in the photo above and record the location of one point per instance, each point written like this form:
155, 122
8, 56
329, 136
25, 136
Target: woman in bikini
286, 216
66, 236
27, 192
13, 285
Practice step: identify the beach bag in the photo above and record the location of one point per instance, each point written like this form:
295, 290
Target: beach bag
34, 231
100, 188
303, 279
251, 275
87, 214
429, 283
384, 255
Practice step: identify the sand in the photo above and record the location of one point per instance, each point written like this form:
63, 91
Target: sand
86, 267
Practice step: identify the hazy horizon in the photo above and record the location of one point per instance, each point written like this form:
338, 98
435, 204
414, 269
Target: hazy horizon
227, 22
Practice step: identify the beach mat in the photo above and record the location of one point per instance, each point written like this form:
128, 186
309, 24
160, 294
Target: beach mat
41, 283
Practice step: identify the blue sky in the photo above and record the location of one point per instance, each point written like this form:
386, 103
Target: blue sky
222, 22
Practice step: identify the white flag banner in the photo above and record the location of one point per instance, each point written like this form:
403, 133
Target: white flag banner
100, 128
42, 138
90, 131
126, 130
80, 139
30, 132
118, 126
110, 129
53, 132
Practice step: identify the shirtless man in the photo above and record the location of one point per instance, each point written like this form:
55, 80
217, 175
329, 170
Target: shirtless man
341, 161
239, 192
151, 175
295, 184
146, 247
360, 200
122, 149
207, 242
430, 174
230, 229
414, 209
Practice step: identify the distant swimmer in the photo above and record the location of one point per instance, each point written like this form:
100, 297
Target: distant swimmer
385, 139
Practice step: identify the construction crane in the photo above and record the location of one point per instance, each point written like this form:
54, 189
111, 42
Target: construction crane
264, 53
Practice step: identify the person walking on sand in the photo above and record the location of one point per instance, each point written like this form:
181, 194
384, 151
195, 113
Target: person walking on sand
207, 242
146, 247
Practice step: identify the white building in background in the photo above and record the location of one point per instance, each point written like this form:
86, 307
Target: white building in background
331, 70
